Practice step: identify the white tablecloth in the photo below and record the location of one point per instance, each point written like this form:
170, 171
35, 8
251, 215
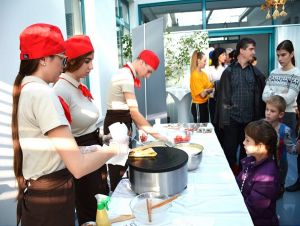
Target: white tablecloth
182, 98
212, 197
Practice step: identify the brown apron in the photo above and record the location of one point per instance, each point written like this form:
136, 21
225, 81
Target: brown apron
116, 172
91, 184
47, 201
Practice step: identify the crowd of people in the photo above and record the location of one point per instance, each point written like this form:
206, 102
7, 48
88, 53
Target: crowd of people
59, 155
255, 120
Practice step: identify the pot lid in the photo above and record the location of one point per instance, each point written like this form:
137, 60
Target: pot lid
167, 159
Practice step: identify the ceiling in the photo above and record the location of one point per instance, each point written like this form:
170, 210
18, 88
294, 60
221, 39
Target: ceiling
179, 15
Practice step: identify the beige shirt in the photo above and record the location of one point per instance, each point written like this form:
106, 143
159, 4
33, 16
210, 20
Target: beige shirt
39, 112
84, 113
121, 82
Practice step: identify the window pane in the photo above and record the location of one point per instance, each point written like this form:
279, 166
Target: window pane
238, 13
73, 17
178, 17
125, 13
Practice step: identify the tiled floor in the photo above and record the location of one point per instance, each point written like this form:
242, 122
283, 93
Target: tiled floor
288, 207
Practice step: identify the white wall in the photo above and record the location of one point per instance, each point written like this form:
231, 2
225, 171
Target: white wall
101, 27
291, 32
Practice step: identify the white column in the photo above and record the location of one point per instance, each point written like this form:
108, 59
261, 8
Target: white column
100, 20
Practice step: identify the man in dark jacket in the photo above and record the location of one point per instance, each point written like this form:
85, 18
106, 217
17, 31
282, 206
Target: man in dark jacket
239, 101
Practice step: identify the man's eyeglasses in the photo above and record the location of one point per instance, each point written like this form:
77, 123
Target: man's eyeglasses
63, 58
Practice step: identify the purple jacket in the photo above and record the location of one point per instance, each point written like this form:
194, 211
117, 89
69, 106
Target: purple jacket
260, 189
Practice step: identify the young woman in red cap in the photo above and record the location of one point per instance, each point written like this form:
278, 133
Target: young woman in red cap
85, 115
122, 104
45, 152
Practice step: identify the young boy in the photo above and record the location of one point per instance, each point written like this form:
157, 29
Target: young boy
275, 108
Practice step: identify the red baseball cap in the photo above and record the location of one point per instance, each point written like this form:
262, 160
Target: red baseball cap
150, 58
78, 45
41, 40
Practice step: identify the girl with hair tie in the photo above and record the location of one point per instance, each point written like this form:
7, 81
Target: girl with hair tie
200, 87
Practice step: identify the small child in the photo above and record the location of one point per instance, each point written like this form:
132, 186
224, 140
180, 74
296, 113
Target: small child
259, 178
275, 108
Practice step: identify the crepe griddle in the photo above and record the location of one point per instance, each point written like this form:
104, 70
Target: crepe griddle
167, 159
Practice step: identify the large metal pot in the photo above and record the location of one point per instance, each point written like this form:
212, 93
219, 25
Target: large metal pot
194, 152
166, 173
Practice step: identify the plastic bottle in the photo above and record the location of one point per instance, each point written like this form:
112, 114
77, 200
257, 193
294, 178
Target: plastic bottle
101, 216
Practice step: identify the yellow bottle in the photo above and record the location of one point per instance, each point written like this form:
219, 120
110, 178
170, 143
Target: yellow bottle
101, 216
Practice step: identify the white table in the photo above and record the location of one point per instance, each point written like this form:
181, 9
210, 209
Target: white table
212, 197
182, 98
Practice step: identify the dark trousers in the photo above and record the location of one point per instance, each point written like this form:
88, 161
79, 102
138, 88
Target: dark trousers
202, 110
233, 137
91, 184
116, 172
212, 109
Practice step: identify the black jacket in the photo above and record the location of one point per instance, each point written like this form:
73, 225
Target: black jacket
223, 105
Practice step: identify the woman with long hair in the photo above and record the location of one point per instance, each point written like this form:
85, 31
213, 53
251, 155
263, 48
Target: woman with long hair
45, 152
214, 73
200, 87
85, 115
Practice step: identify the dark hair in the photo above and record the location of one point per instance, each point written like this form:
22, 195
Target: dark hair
76, 63
27, 67
278, 102
232, 55
215, 56
262, 131
194, 63
243, 44
288, 46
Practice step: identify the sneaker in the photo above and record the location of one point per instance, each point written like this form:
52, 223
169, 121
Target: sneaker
294, 187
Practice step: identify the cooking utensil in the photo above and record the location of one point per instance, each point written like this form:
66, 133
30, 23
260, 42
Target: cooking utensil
194, 152
148, 201
165, 202
121, 218
166, 173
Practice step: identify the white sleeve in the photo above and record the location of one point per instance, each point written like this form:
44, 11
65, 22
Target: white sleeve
268, 92
293, 90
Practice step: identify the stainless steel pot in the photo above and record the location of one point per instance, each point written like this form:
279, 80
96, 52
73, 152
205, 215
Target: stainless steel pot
166, 173
194, 152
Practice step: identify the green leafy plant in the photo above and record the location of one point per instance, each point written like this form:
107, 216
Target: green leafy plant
127, 47
178, 51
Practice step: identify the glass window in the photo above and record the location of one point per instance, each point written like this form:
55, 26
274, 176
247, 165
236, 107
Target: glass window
73, 17
123, 29
238, 14
179, 17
